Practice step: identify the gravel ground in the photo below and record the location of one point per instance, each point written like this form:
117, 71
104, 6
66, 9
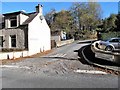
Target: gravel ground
53, 67
55, 70
61, 61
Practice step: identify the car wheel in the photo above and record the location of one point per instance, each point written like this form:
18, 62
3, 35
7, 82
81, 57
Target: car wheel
109, 48
96, 45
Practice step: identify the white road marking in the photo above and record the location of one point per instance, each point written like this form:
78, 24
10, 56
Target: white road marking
62, 55
54, 55
58, 55
90, 71
13, 66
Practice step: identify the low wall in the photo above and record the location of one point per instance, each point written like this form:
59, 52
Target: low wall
106, 55
16, 54
61, 43
56, 38
13, 55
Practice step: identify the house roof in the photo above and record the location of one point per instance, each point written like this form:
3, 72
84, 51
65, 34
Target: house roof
31, 13
15, 13
31, 17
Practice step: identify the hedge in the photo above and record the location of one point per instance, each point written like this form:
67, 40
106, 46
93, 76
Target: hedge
108, 35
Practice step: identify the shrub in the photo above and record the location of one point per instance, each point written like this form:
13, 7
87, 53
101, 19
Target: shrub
108, 35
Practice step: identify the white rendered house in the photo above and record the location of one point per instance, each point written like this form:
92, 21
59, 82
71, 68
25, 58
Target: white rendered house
26, 31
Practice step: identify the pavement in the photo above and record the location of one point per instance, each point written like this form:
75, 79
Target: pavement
58, 69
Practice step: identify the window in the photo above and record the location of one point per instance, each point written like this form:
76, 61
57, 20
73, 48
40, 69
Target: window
119, 40
13, 40
1, 41
114, 40
13, 21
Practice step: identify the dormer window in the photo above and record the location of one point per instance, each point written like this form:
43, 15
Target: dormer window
13, 21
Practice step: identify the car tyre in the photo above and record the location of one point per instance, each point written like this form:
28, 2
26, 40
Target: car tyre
96, 45
109, 48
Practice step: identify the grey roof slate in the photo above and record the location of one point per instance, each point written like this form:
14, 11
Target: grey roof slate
15, 13
31, 17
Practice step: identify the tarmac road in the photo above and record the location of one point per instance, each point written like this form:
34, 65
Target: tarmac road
56, 70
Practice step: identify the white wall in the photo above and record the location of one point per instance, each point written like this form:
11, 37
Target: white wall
38, 36
62, 43
13, 55
7, 23
23, 18
56, 38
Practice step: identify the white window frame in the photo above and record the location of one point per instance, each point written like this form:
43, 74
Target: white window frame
10, 41
10, 20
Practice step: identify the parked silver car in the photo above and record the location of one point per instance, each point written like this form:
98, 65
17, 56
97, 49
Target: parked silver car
112, 44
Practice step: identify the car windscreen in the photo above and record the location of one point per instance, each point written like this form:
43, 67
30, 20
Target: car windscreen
114, 40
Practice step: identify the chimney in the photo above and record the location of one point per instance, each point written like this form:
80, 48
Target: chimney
39, 8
